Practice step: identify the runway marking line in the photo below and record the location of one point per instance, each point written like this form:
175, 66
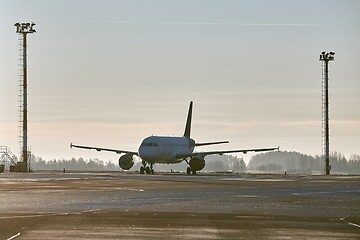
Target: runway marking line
354, 224
130, 189
91, 210
16, 235
350, 223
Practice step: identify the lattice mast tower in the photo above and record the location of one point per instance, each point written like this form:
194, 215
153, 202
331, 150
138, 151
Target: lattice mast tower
325, 58
23, 29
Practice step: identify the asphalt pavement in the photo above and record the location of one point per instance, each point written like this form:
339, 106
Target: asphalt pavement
45, 205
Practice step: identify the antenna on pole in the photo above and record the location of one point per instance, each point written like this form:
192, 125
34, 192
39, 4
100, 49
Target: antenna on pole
325, 58
23, 29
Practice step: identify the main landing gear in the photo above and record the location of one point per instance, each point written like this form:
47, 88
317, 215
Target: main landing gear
145, 169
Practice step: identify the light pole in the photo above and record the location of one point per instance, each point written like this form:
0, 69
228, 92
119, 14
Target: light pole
23, 29
325, 58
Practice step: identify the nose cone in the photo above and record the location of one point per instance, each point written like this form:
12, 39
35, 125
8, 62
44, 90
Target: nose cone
149, 151
144, 152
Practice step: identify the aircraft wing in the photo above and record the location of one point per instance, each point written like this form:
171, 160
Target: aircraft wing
104, 149
223, 152
210, 143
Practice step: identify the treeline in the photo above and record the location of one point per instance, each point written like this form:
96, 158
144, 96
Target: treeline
213, 164
270, 162
295, 162
37, 163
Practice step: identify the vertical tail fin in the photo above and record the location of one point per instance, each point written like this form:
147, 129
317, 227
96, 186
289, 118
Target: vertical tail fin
188, 122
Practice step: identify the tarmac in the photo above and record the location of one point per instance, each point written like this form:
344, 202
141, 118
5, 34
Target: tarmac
123, 205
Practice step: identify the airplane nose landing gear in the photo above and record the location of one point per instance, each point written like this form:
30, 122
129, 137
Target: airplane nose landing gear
145, 169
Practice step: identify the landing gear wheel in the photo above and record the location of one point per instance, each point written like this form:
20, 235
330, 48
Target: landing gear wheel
188, 170
194, 172
147, 170
142, 170
151, 169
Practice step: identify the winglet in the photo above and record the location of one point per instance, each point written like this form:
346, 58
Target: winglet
71, 145
188, 122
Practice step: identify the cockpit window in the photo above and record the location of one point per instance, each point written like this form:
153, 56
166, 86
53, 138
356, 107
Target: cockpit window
150, 145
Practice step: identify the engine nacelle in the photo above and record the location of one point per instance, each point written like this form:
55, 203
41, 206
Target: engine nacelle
197, 163
126, 161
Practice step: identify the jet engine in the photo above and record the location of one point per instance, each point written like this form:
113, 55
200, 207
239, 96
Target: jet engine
126, 161
197, 163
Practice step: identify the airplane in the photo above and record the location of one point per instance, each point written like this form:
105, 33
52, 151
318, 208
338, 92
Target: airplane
170, 150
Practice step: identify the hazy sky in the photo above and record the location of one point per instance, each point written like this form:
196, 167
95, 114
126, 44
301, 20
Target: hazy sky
108, 73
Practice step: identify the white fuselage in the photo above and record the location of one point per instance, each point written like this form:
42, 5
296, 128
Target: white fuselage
156, 149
